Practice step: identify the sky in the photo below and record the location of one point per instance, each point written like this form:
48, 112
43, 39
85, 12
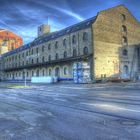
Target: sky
24, 16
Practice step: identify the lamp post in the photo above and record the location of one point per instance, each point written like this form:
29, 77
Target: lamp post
25, 83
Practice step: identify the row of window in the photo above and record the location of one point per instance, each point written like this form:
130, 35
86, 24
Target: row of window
74, 41
38, 73
85, 52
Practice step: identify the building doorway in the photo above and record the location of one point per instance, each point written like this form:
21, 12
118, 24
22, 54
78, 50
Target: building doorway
57, 72
125, 71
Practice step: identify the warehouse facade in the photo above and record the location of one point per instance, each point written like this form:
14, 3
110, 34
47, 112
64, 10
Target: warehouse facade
108, 43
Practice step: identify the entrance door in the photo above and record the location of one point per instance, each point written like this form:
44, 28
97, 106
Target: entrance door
57, 72
125, 72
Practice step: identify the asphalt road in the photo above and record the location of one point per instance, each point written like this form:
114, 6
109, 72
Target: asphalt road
70, 112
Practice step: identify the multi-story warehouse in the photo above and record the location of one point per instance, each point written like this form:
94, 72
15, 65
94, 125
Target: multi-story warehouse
108, 43
9, 41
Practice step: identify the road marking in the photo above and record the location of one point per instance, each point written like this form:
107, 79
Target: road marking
112, 107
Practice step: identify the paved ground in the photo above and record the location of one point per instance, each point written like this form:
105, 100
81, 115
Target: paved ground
70, 112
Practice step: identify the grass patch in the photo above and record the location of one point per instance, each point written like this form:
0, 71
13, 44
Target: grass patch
19, 87
16, 86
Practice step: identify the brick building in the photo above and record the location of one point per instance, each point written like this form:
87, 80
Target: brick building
108, 43
9, 41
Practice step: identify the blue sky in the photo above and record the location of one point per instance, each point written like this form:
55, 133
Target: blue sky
24, 16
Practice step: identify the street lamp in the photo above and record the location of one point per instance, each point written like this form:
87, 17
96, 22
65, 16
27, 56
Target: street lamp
25, 82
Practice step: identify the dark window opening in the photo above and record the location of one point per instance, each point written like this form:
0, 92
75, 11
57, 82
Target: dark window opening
65, 54
74, 39
125, 52
74, 53
56, 44
85, 36
85, 51
56, 56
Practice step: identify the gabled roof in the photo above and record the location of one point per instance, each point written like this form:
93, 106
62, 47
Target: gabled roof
45, 38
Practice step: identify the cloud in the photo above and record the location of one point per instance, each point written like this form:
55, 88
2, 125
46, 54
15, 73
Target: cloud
24, 16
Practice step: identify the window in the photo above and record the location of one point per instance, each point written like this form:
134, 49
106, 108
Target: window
73, 39
56, 44
37, 60
49, 58
32, 61
123, 17
50, 72
74, 53
56, 56
37, 73
43, 72
32, 51
85, 51
125, 52
64, 42
37, 50
27, 74
23, 55
125, 70
124, 40
57, 72
124, 29
49, 47
43, 59
85, 36
43, 48
65, 54
65, 71
27, 53
32, 73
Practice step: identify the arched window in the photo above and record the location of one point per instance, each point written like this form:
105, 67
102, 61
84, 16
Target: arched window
57, 72
85, 36
65, 54
49, 58
50, 72
74, 53
37, 73
125, 70
65, 70
123, 17
85, 51
56, 44
56, 56
32, 73
125, 52
124, 29
65, 42
124, 40
73, 39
